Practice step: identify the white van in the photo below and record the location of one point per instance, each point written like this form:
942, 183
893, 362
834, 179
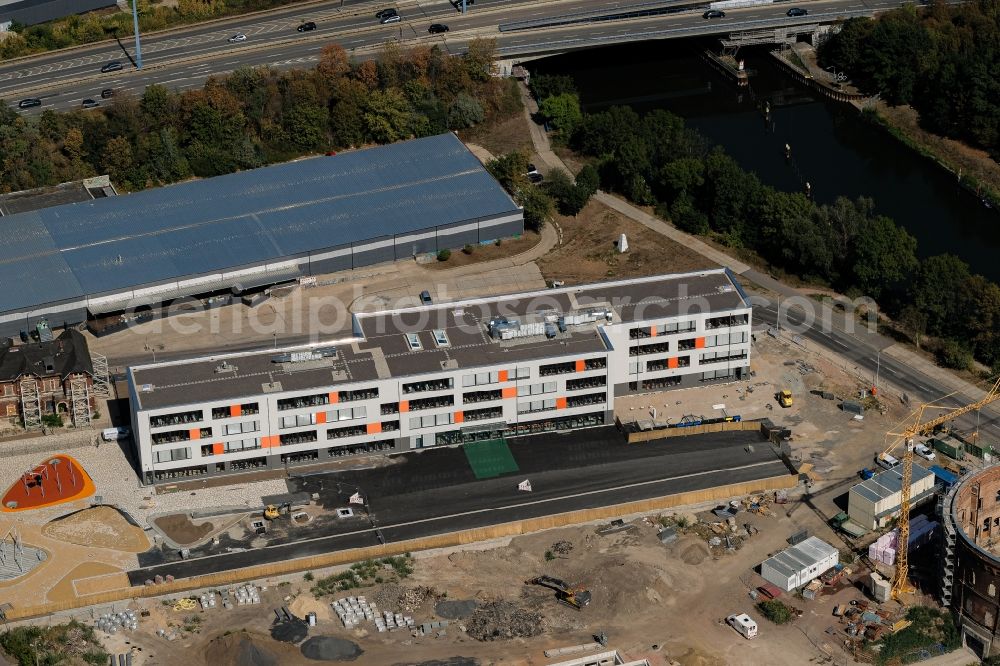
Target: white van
114, 434
886, 461
743, 624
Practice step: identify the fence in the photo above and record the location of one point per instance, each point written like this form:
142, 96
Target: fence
797, 74
675, 431
502, 530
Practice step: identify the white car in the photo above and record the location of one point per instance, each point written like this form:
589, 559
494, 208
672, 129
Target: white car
924, 452
238, 37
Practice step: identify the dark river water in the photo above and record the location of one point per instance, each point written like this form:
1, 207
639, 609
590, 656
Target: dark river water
833, 148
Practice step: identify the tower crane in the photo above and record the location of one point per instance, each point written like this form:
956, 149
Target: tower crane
900, 582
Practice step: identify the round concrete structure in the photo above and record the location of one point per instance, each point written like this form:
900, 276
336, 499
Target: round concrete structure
971, 576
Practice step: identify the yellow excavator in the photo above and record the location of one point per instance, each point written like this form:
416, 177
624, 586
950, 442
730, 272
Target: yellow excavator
271, 512
575, 598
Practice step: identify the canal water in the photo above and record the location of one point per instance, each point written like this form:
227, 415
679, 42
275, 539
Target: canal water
832, 147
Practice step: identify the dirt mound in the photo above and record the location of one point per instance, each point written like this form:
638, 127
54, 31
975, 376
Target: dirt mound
179, 528
100, 527
456, 609
501, 620
693, 552
304, 604
243, 649
328, 648
290, 631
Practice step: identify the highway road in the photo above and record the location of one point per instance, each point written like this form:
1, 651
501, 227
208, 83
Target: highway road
434, 492
184, 59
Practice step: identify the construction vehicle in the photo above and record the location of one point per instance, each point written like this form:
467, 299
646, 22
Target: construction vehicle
919, 427
785, 398
573, 597
271, 512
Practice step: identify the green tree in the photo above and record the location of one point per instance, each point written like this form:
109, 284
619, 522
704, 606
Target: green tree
538, 207
387, 116
884, 256
117, 160
306, 125
544, 86
510, 170
588, 181
563, 113
465, 112
933, 291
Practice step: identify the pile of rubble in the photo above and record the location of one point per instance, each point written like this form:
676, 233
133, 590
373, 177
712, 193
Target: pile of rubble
867, 621
405, 599
500, 620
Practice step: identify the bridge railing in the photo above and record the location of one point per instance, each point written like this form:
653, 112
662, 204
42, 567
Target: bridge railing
616, 14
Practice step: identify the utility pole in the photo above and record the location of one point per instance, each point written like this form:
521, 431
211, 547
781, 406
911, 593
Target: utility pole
464, 8
135, 26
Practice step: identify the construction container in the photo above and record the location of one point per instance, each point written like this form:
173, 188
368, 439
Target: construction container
949, 446
796, 566
982, 451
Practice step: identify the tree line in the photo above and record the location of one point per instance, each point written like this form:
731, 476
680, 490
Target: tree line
942, 61
256, 116
655, 160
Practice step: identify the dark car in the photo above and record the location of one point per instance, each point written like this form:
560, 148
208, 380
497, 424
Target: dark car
30, 102
425, 298
382, 13
307, 26
437, 28
107, 93
89, 103
797, 11
714, 13
113, 66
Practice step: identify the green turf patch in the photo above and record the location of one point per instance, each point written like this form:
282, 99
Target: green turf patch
490, 459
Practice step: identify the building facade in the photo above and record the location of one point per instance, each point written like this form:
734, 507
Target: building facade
873, 503
51, 377
442, 374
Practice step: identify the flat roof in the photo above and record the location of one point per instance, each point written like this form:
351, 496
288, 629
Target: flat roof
888, 483
383, 350
111, 245
801, 556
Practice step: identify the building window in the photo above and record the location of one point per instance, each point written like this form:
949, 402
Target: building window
303, 401
481, 396
588, 399
431, 420
730, 320
537, 389
556, 368
723, 339
481, 378
358, 394
432, 403
297, 421
241, 427
536, 406
171, 436
174, 419
297, 437
654, 348
350, 431
348, 414
234, 411
481, 414
390, 408
171, 455
586, 383
413, 342
237, 445
720, 357
441, 338
441, 384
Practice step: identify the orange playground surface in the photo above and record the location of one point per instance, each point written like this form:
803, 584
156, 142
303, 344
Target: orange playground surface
56, 480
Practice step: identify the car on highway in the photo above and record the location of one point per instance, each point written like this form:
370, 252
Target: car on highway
437, 28
307, 26
797, 11
924, 452
238, 37
89, 103
107, 93
391, 18
29, 102
113, 66
382, 13
714, 13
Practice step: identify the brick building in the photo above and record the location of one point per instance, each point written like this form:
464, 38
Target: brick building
53, 377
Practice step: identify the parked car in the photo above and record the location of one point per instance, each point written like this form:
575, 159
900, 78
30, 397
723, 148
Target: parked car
113, 66
866, 473
238, 37
113, 434
714, 13
437, 28
382, 13
107, 93
307, 26
391, 18
886, 461
924, 452
29, 102
89, 103
425, 298
797, 11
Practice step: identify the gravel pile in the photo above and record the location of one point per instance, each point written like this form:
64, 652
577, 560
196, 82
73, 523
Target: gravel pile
501, 620
398, 598
328, 648
290, 631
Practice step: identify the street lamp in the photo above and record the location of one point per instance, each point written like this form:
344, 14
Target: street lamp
878, 365
135, 26
834, 70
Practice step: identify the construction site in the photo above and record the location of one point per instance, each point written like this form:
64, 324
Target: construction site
798, 510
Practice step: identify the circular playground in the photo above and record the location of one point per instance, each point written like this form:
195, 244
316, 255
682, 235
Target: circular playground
56, 480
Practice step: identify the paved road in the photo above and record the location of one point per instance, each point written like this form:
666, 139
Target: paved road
185, 59
434, 491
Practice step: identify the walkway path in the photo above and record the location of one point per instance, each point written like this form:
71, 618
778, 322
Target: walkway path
944, 378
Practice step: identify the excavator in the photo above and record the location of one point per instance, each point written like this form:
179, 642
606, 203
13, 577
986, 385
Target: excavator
573, 597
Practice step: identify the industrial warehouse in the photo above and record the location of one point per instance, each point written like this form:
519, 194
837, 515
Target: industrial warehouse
247, 230
442, 374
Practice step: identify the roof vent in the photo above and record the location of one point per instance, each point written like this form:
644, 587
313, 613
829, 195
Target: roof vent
146, 388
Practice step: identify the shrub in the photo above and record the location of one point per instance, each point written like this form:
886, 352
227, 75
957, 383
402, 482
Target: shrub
549, 556
468, 249
52, 420
775, 611
444, 255
952, 354
308, 576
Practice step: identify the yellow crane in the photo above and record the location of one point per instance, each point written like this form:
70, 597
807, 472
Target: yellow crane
900, 583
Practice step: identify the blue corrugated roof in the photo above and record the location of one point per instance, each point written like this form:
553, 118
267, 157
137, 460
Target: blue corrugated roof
114, 244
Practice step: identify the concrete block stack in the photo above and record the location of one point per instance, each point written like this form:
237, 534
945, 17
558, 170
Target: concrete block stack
354, 610
247, 594
207, 600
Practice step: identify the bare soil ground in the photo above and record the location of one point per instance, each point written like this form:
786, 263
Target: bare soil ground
589, 253
179, 528
99, 527
64, 590
972, 161
481, 253
500, 138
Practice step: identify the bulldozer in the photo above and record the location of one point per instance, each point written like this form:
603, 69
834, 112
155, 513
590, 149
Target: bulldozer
575, 598
271, 512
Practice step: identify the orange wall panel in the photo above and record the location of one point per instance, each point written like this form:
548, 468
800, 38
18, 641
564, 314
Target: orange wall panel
699, 343
671, 362
235, 410
652, 331
503, 375
372, 428
334, 398
459, 417
508, 392
320, 417
560, 403
404, 405
580, 365
194, 433
218, 449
